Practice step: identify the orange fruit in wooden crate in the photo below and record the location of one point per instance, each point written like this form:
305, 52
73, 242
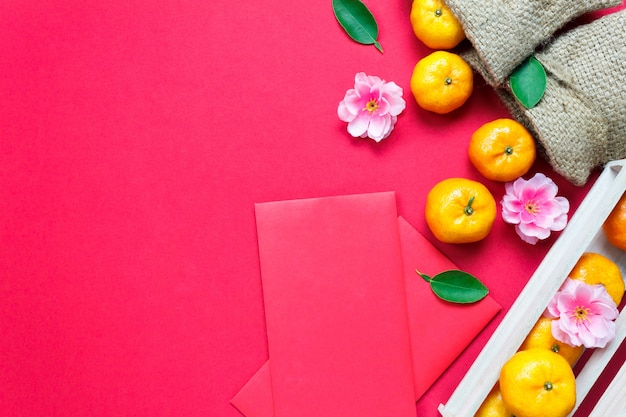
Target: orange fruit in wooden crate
615, 225
594, 268
493, 405
540, 336
538, 383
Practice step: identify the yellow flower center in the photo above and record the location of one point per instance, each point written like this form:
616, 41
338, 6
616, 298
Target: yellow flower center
372, 105
581, 313
532, 207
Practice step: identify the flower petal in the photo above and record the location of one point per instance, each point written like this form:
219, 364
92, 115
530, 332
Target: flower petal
559, 334
376, 91
526, 238
570, 285
511, 217
393, 89
393, 94
584, 295
526, 193
389, 125
543, 221
358, 126
545, 190
383, 107
559, 223
540, 182
531, 229
376, 129
517, 186
511, 209
564, 202
353, 102
344, 114
361, 78
604, 309
610, 335
527, 217
587, 338
565, 302
598, 326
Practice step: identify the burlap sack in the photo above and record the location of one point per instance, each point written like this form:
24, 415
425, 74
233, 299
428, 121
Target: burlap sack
580, 123
505, 32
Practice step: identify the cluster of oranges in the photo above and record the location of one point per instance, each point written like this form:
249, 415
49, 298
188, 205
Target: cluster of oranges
460, 210
538, 380
442, 81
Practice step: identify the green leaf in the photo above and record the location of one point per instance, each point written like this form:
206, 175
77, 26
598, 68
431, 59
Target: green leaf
456, 286
528, 82
358, 22
424, 276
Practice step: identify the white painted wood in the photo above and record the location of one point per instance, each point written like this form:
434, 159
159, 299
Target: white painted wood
613, 402
583, 233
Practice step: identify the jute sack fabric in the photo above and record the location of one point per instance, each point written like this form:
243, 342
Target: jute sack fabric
505, 32
580, 123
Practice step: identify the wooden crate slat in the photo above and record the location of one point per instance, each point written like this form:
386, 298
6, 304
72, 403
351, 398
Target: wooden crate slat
613, 402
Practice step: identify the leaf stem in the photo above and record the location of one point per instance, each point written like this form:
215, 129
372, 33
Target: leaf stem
468, 209
424, 276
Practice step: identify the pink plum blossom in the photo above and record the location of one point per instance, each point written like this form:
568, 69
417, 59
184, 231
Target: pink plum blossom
533, 207
372, 107
584, 314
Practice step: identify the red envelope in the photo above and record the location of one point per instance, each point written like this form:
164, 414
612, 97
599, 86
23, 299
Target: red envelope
335, 307
439, 331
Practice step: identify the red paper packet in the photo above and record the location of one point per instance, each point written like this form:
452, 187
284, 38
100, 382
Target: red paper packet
437, 331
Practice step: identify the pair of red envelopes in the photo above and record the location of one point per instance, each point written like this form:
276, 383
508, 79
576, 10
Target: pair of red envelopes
352, 329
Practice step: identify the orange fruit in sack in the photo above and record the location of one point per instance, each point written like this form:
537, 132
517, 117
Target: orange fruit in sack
459, 210
538, 383
541, 337
493, 406
435, 25
502, 150
442, 82
593, 268
615, 225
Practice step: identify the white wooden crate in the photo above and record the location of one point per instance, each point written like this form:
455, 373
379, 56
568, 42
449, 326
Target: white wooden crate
613, 402
582, 234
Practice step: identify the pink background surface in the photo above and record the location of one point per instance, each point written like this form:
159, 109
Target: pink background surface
135, 138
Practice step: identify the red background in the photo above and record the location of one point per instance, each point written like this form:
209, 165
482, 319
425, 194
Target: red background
135, 138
